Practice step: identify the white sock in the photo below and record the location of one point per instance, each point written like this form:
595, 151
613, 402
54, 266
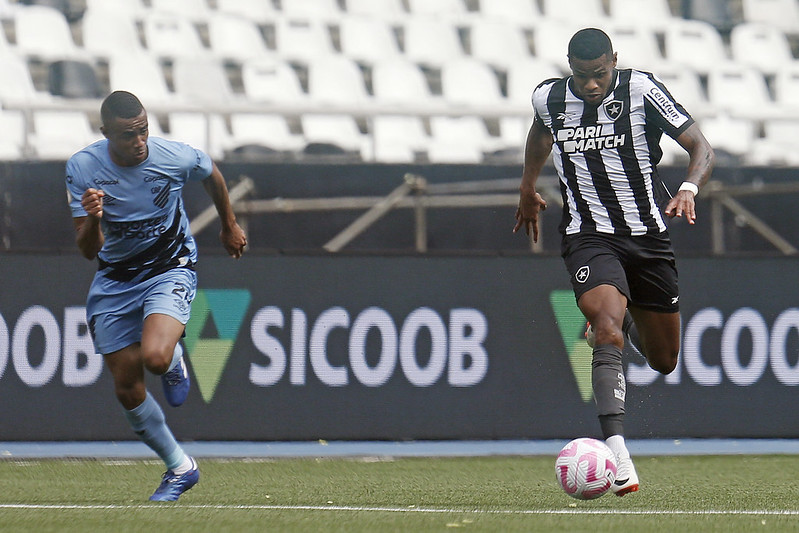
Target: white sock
177, 354
617, 446
187, 464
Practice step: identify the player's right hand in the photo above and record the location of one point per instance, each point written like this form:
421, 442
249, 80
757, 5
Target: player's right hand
92, 202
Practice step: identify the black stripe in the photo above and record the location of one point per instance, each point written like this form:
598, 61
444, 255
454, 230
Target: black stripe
629, 159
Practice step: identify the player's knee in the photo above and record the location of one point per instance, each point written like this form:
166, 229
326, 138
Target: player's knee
157, 359
608, 333
663, 361
130, 396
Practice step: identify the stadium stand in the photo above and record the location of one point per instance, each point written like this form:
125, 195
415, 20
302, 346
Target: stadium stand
388, 68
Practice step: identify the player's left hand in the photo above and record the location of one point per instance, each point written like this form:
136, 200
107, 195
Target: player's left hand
234, 240
682, 204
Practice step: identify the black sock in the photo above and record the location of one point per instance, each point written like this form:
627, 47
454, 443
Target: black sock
607, 380
631, 332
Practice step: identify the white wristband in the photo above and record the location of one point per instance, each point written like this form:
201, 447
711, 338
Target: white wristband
688, 186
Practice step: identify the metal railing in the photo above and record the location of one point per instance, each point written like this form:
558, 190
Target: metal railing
414, 192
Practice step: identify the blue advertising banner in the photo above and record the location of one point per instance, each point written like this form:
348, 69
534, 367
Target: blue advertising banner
296, 347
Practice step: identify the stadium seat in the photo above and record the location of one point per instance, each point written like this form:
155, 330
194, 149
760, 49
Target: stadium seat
302, 39
497, 42
645, 14
13, 140
733, 135
195, 10
325, 10
401, 82
579, 12
524, 13
431, 41
469, 82
636, 46
513, 131
686, 87
207, 132
786, 90
201, 81
258, 12
739, 91
449, 9
17, 86
336, 80
171, 35
683, 40
109, 32
551, 43
389, 10
398, 138
268, 130
235, 37
524, 76
337, 130
760, 46
142, 75
43, 31
271, 79
59, 134
69, 78
129, 8
459, 140
778, 146
783, 14
367, 39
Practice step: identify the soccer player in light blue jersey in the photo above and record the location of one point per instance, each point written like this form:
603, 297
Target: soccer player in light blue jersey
127, 207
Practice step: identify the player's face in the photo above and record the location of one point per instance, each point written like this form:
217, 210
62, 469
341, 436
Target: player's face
592, 78
127, 139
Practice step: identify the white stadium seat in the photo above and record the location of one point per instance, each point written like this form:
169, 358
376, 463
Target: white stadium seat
201, 81
524, 13
258, 12
271, 79
269, 130
43, 31
207, 132
431, 41
142, 75
59, 134
468, 82
108, 32
760, 46
397, 138
400, 82
235, 37
739, 91
695, 44
338, 130
336, 80
783, 14
497, 42
367, 39
170, 35
302, 39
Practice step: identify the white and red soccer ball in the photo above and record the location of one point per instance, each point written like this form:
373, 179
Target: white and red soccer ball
586, 468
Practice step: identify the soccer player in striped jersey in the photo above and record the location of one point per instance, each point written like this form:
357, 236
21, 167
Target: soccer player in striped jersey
125, 193
603, 126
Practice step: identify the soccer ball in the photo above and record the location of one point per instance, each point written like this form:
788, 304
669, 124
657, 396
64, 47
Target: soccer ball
585, 468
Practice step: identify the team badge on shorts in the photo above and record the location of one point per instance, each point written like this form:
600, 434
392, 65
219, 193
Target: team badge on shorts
582, 274
614, 108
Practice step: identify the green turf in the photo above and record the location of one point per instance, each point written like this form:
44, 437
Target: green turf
705, 493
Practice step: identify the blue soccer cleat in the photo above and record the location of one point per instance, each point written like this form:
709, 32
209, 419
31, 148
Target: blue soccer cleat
176, 384
173, 485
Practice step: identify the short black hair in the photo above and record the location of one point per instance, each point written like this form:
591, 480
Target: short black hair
120, 104
589, 43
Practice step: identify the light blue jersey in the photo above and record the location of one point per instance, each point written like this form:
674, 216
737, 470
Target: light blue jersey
145, 226
146, 264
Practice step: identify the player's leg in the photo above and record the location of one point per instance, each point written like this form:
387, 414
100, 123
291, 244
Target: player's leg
659, 337
167, 307
147, 419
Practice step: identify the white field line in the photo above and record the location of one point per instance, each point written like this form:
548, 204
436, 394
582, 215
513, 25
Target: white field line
413, 509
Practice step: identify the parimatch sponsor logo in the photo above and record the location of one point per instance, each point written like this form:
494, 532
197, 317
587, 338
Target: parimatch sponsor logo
571, 324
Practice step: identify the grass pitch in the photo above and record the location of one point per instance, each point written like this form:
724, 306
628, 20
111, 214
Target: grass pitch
678, 493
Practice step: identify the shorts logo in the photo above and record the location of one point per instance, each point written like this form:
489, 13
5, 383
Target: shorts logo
582, 275
613, 109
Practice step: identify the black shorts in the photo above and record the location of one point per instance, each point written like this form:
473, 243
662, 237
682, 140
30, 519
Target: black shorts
641, 267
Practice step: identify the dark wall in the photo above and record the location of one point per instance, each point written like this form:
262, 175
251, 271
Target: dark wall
34, 214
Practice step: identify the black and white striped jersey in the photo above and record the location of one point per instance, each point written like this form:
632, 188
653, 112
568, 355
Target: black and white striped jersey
605, 156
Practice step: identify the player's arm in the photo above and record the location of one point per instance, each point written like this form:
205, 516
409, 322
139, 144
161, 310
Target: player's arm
536, 151
232, 236
700, 166
88, 231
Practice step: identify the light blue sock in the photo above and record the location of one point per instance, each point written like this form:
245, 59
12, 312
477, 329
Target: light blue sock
148, 421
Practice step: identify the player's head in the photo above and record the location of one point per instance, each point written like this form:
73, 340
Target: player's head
125, 126
592, 61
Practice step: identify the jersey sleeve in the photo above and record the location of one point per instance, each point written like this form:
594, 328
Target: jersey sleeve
663, 110
201, 164
75, 188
